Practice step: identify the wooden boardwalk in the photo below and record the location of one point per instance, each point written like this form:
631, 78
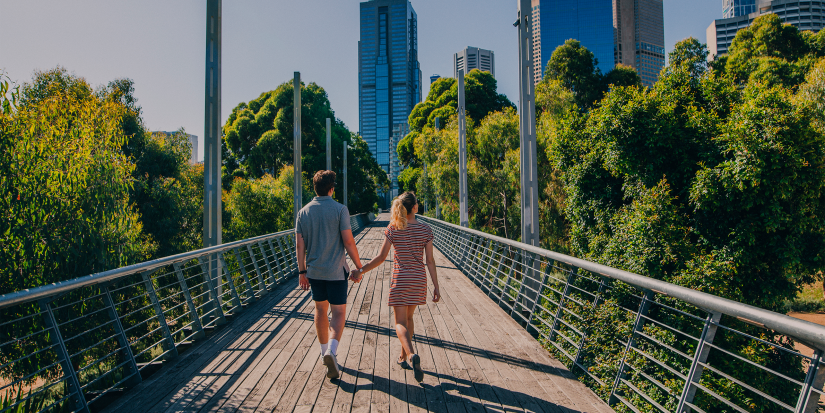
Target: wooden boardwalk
476, 358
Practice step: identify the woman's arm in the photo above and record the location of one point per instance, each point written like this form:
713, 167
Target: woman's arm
428, 250
385, 250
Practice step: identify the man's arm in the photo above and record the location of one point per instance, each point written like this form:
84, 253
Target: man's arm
352, 250
301, 251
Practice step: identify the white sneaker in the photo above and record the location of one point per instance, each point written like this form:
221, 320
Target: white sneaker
333, 371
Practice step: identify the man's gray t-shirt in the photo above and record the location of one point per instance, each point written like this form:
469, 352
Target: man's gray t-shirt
320, 223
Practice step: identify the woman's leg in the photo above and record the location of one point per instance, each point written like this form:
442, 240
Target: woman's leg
402, 332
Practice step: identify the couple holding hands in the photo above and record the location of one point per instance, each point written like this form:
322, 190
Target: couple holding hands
323, 235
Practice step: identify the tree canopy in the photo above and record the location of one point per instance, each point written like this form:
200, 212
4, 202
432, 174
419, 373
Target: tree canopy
258, 140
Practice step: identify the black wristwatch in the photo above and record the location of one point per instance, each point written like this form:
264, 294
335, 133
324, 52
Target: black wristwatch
302, 272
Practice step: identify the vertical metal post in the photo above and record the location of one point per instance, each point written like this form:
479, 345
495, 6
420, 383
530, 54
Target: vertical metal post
329, 144
123, 341
261, 284
638, 325
250, 293
234, 291
212, 225
281, 274
538, 296
808, 400
266, 261
197, 327
296, 146
527, 129
560, 306
464, 220
700, 356
214, 295
73, 383
169, 345
345, 175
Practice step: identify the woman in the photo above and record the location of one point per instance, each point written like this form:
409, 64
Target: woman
411, 239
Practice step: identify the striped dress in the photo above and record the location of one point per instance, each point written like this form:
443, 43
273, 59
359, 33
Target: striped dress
409, 277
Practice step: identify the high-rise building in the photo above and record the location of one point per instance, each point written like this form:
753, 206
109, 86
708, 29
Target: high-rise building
474, 58
399, 131
739, 14
630, 32
389, 76
433, 78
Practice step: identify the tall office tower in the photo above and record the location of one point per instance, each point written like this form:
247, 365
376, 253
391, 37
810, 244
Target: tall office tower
433, 78
630, 32
389, 76
805, 15
474, 58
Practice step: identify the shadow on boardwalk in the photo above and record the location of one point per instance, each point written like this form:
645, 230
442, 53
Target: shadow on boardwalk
267, 358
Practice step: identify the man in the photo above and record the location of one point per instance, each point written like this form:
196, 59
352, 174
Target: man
322, 233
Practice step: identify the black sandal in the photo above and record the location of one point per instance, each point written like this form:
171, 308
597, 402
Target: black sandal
416, 363
403, 363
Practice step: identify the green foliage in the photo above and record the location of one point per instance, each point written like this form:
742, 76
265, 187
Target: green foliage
691, 54
408, 178
65, 186
442, 102
258, 140
406, 151
261, 206
773, 53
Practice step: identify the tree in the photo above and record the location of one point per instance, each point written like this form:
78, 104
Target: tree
769, 51
258, 140
65, 185
576, 68
690, 53
442, 102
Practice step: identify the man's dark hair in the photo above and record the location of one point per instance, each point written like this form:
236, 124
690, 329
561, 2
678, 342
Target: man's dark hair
322, 182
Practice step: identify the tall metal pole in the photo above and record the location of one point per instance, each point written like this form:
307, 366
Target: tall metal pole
212, 225
462, 154
329, 144
345, 174
527, 129
296, 145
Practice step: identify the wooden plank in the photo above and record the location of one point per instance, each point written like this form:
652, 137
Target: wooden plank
156, 392
380, 399
557, 381
326, 395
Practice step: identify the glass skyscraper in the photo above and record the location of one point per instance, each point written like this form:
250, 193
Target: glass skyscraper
630, 32
389, 76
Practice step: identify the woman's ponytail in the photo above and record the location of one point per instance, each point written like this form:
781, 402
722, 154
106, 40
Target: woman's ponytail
402, 206
398, 213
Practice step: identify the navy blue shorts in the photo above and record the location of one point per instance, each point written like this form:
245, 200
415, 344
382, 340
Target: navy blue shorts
334, 291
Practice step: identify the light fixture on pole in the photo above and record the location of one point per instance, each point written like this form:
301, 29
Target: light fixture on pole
462, 154
527, 129
296, 131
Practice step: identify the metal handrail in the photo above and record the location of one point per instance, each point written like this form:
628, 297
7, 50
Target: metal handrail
676, 343
97, 334
810, 333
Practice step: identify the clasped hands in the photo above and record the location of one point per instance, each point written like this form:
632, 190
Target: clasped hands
356, 275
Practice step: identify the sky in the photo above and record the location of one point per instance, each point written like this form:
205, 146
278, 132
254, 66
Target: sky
159, 44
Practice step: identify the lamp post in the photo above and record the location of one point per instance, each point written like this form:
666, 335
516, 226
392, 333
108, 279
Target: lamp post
296, 131
329, 144
527, 129
462, 154
212, 225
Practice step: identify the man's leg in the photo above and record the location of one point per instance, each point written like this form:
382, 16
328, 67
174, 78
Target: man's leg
322, 322
338, 304
339, 320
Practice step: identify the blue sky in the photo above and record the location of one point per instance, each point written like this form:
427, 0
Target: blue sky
159, 44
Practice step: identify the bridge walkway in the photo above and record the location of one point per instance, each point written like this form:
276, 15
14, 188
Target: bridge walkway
476, 358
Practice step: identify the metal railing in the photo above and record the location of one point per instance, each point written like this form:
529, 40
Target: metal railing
70, 344
642, 344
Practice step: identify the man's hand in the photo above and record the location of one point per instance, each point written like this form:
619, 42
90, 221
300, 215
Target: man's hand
303, 282
355, 275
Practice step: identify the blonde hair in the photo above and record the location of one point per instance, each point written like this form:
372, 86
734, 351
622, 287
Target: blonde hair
402, 206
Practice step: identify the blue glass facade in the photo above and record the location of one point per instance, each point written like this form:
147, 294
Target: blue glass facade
588, 21
389, 75
736, 8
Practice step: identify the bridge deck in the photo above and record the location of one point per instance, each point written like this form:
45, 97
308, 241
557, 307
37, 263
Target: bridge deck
475, 356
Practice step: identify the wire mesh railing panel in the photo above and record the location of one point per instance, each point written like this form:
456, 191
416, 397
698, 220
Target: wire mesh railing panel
644, 345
